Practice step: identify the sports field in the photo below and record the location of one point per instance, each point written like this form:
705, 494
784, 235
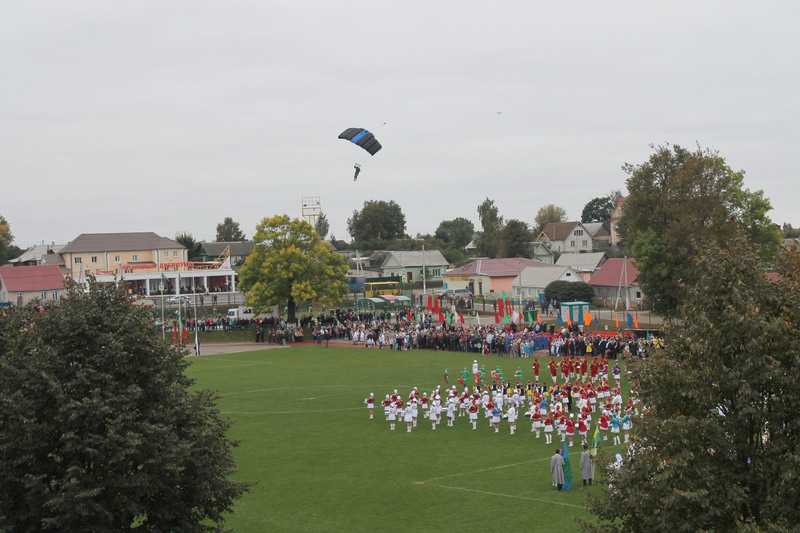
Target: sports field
321, 464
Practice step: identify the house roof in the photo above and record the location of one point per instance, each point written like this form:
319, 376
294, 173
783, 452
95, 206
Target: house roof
502, 267
119, 242
542, 276
32, 278
238, 248
611, 273
597, 229
36, 253
588, 262
558, 231
411, 258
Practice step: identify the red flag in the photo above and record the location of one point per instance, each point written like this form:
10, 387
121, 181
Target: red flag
509, 307
408, 316
496, 318
436, 305
461, 318
636, 320
441, 317
430, 303
501, 308
185, 334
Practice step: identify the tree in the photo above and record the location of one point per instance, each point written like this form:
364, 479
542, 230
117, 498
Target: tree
193, 248
547, 214
6, 238
457, 232
717, 448
569, 291
677, 197
598, 210
515, 240
492, 224
377, 220
322, 226
101, 430
290, 263
228, 231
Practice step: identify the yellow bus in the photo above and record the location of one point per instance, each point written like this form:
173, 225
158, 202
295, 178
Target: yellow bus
378, 288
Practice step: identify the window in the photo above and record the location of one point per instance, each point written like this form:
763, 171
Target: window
585, 242
55, 295
166, 254
638, 295
44, 295
77, 260
117, 258
134, 258
578, 232
94, 259
569, 274
572, 244
175, 253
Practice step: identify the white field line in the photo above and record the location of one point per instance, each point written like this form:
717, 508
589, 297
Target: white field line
373, 387
290, 412
486, 469
505, 495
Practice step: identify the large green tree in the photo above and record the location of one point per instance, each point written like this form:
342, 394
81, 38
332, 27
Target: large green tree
289, 264
515, 240
6, 238
228, 231
457, 232
598, 210
547, 214
491, 224
193, 248
377, 220
718, 448
322, 226
681, 203
569, 291
102, 430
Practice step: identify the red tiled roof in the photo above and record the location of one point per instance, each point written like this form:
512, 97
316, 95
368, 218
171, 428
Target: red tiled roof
32, 278
610, 273
506, 266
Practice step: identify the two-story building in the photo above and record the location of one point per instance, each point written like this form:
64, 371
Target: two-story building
149, 263
567, 237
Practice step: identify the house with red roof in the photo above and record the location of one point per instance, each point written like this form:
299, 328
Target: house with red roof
617, 280
24, 284
484, 276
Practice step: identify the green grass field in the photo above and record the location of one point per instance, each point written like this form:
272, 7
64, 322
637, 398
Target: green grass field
321, 464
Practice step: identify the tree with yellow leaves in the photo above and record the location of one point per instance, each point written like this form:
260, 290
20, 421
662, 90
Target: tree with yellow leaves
290, 263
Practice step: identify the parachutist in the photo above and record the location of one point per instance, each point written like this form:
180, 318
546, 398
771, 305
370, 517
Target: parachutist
358, 170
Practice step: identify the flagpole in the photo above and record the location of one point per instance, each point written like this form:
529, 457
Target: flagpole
196, 339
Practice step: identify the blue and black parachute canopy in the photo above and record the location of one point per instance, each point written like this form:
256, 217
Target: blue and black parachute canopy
362, 138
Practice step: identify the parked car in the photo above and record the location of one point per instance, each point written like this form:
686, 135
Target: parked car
455, 293
179, 300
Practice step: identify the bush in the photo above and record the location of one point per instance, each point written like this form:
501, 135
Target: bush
569, 291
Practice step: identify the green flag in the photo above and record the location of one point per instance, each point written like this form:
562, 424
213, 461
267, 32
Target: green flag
567, 468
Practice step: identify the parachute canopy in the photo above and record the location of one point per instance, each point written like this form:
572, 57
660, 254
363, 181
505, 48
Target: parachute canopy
363, 138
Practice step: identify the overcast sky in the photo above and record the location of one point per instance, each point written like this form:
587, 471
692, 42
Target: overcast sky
168, 116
